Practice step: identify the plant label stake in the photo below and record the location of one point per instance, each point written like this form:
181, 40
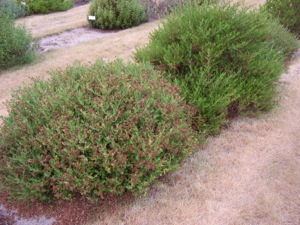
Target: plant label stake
92, 17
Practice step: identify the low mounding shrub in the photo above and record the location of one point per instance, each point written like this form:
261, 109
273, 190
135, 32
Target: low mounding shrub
47, 6
90, 131
13, 8
16, 43
287, 11
117, 14
226, 58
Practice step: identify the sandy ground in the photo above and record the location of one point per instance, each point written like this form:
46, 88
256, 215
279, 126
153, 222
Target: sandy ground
43, 25
249, 174
70, 38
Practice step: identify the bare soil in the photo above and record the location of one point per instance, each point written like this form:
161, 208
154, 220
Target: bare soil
249, 174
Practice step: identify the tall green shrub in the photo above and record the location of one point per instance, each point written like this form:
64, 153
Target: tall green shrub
117, 14
226, 58
287, 12
16, 43
89, 131
47, 6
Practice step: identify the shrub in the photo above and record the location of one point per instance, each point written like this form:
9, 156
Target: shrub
16, 43
117, 14
287, 11
281, 37
224, 57
107, 128
13, 8
47, 6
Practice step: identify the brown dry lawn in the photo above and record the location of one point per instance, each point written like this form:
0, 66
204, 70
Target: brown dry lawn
249, 174
43, 25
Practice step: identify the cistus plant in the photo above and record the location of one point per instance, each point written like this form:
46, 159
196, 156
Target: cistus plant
287, 12
47, 6
225, 57
117, 14
13, 7
16, 43
93, 130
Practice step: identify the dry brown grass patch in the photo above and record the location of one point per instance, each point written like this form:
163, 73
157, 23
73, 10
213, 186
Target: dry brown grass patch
44, 25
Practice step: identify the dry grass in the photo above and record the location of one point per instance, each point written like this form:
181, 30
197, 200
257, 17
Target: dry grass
250, 174
44, 25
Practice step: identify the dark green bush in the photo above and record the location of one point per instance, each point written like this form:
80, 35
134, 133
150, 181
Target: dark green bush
226, 58
287, 12
16, 43
107, 128
13, 8
47, 6
117, 14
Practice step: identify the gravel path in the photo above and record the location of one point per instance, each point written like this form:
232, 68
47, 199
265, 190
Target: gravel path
70, 38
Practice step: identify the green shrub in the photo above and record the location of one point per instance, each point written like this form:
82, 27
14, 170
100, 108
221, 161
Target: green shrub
107, 128
225, 58
47, 6
16, 43
281, 37
117, 14
287, 11
13, 8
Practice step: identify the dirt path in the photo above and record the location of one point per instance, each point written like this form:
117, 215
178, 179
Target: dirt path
44, 25
70, 38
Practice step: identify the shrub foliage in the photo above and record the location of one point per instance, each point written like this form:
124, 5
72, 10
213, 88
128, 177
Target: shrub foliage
47, 6
117, 14
107, 128
16, 43
13, 8
226, 58
287, 11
